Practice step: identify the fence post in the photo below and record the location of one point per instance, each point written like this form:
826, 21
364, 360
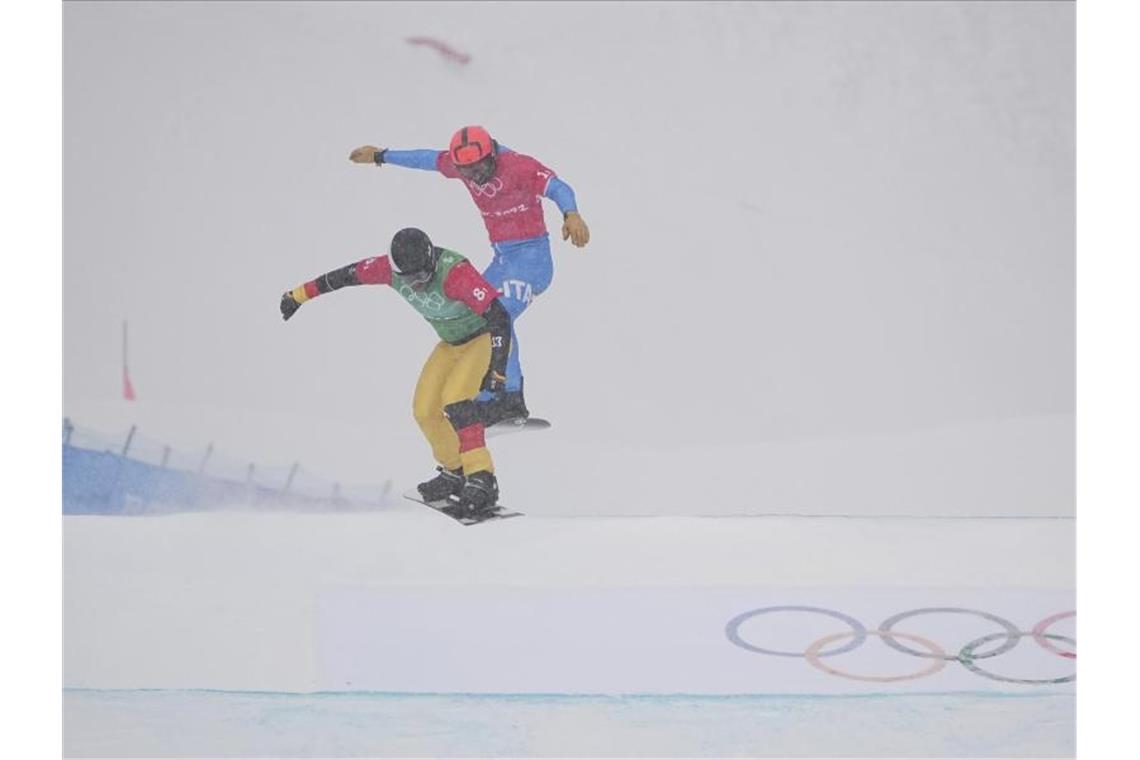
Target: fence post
289, 480
165, 456
206, 458
127, 443
67, 428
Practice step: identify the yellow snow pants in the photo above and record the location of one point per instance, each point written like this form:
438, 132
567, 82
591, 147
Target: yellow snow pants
444, 404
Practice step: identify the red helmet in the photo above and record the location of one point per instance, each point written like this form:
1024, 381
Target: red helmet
470, 145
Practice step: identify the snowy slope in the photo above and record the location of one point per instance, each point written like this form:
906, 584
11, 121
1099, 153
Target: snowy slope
249, 602
349, 635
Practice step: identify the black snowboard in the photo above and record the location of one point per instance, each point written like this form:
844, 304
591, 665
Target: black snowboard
450, 508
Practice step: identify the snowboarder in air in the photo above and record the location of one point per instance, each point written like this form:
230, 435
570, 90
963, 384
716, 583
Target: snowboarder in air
506, 187
475, 340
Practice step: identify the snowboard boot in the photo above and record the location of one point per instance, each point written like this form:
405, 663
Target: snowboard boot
480, 493
505, 406
447, 483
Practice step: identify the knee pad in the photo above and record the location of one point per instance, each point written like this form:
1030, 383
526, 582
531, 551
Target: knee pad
462, 414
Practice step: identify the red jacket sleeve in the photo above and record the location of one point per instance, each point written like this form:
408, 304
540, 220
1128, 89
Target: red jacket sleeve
464, 283
374, 271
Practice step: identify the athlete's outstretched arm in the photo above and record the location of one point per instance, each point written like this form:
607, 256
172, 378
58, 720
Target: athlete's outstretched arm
562, 195
412, 159
573, 226
372, 271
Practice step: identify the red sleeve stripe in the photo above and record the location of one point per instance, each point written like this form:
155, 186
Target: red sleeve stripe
311, 289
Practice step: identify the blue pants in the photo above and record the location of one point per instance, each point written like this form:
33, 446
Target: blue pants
521, 270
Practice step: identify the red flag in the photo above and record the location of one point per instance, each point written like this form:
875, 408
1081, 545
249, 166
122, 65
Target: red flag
128, 389
441, 47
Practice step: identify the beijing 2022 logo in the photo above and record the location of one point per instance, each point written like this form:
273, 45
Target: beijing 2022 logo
969, 655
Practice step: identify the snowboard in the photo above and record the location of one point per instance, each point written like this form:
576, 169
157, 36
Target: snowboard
449, 507
516, 426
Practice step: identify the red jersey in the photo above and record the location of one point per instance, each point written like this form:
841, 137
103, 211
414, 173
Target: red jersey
511, 203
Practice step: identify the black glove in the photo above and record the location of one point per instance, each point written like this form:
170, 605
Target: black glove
493, 382
289, 305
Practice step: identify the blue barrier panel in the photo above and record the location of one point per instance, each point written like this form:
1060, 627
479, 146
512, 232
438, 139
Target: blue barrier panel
89, 481
106, 483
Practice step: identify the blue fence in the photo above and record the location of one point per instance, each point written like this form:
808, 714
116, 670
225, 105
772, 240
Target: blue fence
102, 478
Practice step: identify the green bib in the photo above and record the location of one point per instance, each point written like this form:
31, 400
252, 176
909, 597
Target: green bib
453, 320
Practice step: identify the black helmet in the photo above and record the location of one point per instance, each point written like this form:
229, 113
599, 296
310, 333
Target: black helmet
413, 254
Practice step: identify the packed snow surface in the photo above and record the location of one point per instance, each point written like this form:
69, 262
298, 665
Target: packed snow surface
404, 633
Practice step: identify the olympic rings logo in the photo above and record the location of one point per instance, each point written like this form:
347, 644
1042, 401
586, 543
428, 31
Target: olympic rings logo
490, 189
968, 656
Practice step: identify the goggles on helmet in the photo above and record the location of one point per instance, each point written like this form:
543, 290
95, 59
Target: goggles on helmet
465, 155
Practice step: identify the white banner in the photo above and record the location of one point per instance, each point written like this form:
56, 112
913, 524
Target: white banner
696, 640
